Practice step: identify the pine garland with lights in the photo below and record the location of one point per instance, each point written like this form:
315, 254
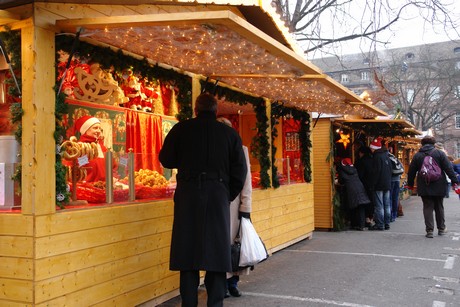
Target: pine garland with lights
119, 61
337, 216
279, 110
259, 145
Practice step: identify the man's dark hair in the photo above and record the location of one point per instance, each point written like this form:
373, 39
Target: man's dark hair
428, 140
206, 103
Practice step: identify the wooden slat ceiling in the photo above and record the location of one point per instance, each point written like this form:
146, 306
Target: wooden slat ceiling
224, 47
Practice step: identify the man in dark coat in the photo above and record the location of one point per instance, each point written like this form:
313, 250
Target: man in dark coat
211, 173
381, 183
432, 193
365, 172
355, 194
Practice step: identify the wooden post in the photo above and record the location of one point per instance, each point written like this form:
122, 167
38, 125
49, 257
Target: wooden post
38, 99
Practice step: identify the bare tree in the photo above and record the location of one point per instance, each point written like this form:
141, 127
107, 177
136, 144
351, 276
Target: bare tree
320, 23
425, 86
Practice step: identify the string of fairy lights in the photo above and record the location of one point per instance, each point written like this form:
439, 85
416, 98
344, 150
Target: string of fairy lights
217, 50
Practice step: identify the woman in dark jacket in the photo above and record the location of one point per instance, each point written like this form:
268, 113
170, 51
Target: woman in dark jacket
212, 170
356, 197
432, 193
364, 167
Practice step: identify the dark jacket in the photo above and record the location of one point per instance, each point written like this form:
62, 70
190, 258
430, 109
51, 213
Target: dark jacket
381, 169
211, 172
354, 189
436, 188
364, 167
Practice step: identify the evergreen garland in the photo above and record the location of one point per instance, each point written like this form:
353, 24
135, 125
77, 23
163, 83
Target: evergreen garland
259, 145
279, 110
337, 214
118, 61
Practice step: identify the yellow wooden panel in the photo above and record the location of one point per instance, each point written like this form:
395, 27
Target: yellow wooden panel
7, 303
77, 220
15, 246
19, 268
71, 262
147, 293
16, 224
16, 290
80, 240
86, 278
107, 290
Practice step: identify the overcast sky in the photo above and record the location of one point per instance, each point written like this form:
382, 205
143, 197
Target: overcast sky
414, 30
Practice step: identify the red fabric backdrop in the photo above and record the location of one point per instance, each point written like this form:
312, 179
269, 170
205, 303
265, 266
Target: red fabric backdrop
144, 136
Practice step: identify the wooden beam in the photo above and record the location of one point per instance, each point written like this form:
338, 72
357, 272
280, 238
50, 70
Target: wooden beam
309, 76
7, 17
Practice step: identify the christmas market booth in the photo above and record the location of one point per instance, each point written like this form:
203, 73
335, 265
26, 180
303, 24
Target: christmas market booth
341, 136
88, 222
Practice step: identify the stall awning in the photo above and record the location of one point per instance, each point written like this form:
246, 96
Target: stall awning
223, 46
379, 127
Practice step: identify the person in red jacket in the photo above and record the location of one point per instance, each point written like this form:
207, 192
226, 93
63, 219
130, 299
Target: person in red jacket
91, 132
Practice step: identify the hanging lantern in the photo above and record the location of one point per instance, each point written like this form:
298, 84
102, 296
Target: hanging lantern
344, 139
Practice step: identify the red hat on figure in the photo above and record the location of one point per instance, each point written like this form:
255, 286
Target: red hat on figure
84, 123
346, 161
376, 143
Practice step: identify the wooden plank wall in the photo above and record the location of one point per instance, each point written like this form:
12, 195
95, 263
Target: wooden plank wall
119, 255
283, 216
16, 260
111, 255
322, 174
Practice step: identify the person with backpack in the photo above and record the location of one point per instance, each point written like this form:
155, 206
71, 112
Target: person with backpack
397, 169
429, 165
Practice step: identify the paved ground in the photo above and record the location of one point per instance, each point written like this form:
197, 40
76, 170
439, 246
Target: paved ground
396, 267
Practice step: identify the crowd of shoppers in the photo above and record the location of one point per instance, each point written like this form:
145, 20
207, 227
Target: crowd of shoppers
378, 180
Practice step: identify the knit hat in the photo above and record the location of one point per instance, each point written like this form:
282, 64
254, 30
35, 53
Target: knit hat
346, 161
376, 143
84, 123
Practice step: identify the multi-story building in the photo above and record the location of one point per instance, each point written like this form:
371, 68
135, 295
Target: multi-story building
419, 83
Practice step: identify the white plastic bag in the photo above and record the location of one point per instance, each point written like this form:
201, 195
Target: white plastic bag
252, 248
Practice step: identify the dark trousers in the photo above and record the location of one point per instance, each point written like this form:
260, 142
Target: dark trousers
358, 216
430, 204
216, 286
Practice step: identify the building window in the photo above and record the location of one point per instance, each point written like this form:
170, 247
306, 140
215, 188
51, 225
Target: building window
410, 95
457, 65
344, 78
366, 61
410, 55
364, 75
457, 50
457, 91
437, 121
457, 120
434, 93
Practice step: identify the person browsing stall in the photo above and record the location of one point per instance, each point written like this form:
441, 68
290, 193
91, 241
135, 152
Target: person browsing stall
212, 170
240, 207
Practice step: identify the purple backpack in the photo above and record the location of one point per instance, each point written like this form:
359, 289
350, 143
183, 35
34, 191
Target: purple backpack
430, 170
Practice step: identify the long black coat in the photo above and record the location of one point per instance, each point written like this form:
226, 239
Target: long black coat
436, 188
201, 228
381, 168
354, 189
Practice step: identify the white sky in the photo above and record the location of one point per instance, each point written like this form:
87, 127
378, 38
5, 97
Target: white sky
415, 30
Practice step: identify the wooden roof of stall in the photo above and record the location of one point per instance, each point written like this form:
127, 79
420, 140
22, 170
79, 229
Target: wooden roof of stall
380, 127
223, 46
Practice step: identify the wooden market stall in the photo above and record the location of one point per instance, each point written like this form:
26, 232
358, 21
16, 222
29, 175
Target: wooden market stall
117, 253
337, 137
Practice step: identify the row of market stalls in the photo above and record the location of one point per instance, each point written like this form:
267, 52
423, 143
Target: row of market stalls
138, 68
